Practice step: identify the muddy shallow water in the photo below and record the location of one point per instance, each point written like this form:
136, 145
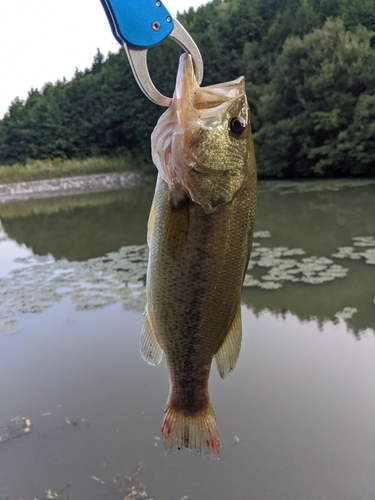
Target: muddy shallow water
296, 416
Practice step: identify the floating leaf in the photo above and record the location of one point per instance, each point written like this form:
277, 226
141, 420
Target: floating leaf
346, 313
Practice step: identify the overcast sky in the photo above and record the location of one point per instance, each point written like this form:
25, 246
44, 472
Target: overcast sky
44, 40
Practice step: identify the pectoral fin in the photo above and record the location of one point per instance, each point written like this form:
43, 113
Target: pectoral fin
226, 357
150, 348
214, 189
151, 222
177, 227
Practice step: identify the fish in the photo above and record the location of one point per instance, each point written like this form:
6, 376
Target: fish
200, 237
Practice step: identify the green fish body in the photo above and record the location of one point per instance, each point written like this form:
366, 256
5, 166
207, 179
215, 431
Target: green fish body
200, 238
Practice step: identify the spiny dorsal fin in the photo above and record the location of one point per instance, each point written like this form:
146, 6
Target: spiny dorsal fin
150, 349
151, 222
226, 357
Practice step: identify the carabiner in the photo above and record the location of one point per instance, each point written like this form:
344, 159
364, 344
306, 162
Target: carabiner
141, 24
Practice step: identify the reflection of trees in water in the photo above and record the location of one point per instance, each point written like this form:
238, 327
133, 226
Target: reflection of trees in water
321, 220
91, 284
318, 221
323, 301
318, 216
120, 277
312, 222
79, 227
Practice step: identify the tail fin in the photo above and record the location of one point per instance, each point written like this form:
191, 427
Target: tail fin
197, 432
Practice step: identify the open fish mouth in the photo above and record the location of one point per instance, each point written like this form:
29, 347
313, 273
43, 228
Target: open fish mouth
194, 136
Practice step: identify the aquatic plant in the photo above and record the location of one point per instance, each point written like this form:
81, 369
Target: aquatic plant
281, 268
364, 241
120, 277
354, 254
262, 234
311, 186
346, 313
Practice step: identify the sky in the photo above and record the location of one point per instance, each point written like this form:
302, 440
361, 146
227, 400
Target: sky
44, 40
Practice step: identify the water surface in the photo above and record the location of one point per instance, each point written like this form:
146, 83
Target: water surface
296, 418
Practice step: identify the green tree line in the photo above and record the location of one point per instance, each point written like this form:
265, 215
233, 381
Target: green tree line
310, 73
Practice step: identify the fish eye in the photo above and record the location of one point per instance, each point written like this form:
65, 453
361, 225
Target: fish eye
237, 125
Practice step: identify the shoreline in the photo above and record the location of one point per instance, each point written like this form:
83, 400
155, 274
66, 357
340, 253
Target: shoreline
114, 181
64, 186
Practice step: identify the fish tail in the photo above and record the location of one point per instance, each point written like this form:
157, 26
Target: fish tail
196, 431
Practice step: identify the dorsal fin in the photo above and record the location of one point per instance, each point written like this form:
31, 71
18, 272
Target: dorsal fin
177, 227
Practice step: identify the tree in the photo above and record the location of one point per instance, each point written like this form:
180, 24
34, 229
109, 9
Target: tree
317, 94
354, 12
310, 85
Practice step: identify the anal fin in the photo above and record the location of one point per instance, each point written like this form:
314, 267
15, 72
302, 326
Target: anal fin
149, 347
226, 357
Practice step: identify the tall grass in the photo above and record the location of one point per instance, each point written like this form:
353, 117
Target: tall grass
60, 167
53, 205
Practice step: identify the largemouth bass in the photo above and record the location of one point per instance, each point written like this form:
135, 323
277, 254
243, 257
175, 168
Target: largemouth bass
200, 238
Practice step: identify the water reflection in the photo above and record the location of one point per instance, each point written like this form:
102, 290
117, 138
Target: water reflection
300, 403
296, 417
79, 227
120, 276
92, 249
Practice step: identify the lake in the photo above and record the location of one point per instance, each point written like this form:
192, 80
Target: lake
296, 418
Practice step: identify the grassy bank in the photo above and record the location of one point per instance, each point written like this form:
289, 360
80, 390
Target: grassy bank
66, 204
48, 169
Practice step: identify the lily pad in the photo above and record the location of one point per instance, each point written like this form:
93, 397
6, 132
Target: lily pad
346, 313
354, 253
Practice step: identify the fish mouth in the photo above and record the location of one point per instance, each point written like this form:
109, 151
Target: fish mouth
188, 94
194, 111
185, 80
201, 105
186, 86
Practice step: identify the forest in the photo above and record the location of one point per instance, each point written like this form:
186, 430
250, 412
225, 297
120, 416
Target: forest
310, 80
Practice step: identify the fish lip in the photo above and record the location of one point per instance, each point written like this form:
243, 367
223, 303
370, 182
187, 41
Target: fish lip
186, 84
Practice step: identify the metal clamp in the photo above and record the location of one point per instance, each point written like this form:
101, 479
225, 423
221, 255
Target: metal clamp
141, 24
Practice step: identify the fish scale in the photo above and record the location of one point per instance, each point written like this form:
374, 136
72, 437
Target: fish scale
200, 237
